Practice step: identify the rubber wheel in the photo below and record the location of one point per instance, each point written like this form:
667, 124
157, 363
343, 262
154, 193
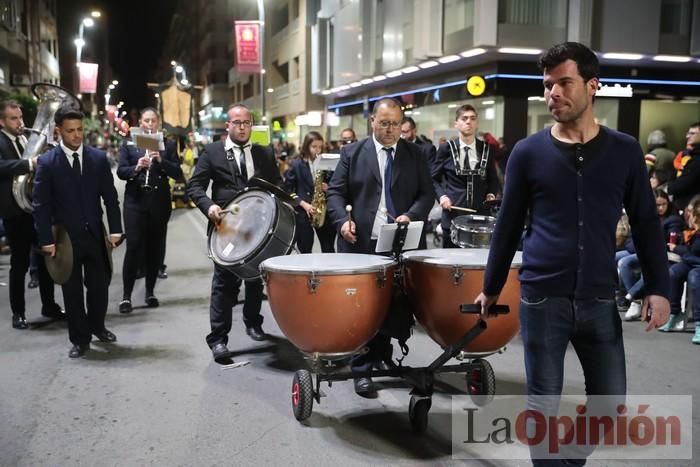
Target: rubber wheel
302, 395
481, 383
418, 410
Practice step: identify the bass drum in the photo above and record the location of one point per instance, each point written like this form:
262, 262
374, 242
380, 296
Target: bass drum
262, 228
439, 281
329, 304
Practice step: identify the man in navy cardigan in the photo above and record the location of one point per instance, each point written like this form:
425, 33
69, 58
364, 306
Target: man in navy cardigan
70, 181
575, 178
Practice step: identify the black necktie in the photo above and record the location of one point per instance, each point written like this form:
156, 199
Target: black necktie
388, 172
20, 148
466, 165
241, 162
76, 164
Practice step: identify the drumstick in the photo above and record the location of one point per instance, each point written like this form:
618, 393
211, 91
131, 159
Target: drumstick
348, 209
386, 213
234, 209
463, 209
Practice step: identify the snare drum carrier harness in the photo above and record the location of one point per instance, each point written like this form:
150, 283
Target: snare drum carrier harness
469, 174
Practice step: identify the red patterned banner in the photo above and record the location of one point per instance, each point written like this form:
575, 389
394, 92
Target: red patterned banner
88, 77
247, 45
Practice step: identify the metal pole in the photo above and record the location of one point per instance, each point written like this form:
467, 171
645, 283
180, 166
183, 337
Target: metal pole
261, 15
79, 48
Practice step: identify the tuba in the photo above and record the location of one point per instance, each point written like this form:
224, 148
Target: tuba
51, 98
318, 201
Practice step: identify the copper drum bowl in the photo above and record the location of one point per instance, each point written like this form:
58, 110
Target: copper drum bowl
439, 281
329, 304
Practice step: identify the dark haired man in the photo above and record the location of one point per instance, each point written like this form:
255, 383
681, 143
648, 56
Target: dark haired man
347, 136
146, 208
574, 178
19, 225
464, 172
70, 181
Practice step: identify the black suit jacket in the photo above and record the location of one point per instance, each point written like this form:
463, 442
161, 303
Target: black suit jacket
60, 197
357, 182
213, 166
447, 182
10, 165
299, 179
134, 196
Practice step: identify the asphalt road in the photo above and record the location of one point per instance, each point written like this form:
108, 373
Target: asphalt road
156, 397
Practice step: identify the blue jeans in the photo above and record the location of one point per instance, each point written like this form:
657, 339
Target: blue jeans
631, 275
594, 328
694, 291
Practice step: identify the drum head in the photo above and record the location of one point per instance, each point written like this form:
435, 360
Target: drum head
240, 235
327, 263
469, 258
474, 223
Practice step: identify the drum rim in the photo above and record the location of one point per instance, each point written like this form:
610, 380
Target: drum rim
262, 245
337, 272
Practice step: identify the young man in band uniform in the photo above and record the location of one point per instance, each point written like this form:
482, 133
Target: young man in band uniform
228, 165
464, 172
71, 179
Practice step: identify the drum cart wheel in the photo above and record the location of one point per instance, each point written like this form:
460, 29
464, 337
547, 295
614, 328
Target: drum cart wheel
481, 382
302, 395
418, 410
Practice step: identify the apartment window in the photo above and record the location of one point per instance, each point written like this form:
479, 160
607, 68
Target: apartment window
295, 71
8, 14
459, 15
675, 17
533, 12
280, 18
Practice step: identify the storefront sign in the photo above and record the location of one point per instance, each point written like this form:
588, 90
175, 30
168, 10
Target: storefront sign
247, 45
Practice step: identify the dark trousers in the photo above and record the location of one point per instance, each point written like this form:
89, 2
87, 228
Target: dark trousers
225, 286
145, 244
447, 239
90, 267
21, 236
594, 329
305, 234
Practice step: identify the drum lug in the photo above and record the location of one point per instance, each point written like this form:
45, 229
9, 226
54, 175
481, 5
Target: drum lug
313, 282
381, 279
457, 275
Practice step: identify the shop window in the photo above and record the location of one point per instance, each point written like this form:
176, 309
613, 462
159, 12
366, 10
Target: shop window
533, 12
675, 17
459, 15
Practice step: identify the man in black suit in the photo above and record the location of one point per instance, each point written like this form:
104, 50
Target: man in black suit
70, 181
19, 225
147, 208
464, 172
379, 172
228, 165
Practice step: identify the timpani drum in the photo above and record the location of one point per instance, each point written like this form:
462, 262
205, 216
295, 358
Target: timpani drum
439, 281
472, 231
257, 226
329, 304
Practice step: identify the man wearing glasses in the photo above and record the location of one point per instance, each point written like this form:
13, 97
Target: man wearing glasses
377, 175
229, 164
347, 136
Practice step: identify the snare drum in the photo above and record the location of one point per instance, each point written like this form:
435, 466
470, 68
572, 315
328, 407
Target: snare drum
263, 227
472, 231
329, 304
439, 281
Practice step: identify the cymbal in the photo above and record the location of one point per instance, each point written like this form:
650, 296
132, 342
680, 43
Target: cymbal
60, 266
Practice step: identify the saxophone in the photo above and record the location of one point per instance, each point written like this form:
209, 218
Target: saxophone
318, 201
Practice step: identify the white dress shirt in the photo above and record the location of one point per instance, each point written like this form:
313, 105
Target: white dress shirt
249, 166
23, 141
380, 217
69, 155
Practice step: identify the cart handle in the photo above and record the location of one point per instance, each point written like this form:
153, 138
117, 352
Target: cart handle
474, 308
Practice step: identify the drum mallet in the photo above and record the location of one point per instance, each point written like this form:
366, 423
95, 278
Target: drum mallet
385, 211
457, 208
234, 209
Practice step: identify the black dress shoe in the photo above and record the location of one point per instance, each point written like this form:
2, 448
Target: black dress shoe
125, 306
106, 336
54, 312
18, 322
152, 301
161, 273
78, 350
33, 283
365, 387
220, 351
256, 333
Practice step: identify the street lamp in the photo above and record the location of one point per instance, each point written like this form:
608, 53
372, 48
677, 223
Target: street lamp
261, 17
80, 41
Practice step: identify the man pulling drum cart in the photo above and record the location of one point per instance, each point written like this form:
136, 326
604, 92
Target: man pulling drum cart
246, 225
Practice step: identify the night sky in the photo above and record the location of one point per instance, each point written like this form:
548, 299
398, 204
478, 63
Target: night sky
130, 32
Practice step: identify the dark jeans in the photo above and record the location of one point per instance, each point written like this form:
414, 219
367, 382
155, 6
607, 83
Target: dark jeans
593, 327
225, 286
679, 274
20, 235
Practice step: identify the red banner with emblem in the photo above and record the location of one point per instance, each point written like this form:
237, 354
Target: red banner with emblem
88, 77
247, 45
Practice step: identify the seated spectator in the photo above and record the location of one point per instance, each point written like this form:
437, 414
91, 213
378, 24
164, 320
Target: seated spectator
688, 269
629, 267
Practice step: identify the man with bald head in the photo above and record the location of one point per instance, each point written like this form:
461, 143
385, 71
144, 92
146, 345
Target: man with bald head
381, 173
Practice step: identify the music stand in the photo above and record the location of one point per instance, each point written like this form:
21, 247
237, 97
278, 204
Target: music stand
398, 237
